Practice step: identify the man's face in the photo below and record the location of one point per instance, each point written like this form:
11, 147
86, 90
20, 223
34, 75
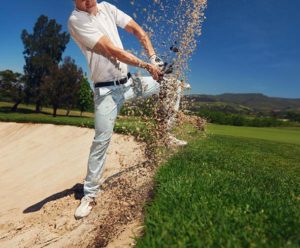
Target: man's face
85, 5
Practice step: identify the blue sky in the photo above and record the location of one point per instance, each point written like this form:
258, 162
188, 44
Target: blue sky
246, 45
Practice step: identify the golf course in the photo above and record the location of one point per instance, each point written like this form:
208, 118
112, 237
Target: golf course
230, 187
150, 124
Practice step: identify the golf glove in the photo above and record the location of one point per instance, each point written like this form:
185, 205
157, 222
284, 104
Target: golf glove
155, 60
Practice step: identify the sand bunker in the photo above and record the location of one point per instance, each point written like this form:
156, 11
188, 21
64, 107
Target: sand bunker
42, 168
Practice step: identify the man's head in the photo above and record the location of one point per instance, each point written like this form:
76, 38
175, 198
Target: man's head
85, 5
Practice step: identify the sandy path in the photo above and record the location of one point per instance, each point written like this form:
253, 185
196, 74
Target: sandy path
42, 167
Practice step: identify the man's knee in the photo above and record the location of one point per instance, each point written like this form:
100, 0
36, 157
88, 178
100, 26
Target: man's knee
103, 137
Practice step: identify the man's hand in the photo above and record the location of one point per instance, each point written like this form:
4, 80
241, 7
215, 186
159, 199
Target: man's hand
155, 60
155, 72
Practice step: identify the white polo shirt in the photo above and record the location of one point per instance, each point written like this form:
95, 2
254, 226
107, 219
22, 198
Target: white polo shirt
86, 30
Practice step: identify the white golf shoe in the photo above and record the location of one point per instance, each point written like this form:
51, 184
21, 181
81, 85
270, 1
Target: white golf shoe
172, 141
85, 207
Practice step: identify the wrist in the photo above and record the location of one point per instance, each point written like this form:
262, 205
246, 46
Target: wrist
144, 65
152, 55
147, 66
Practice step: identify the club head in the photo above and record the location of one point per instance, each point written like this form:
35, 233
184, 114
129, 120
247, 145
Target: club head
168, 68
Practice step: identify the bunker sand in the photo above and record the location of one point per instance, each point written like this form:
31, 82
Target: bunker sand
42, 167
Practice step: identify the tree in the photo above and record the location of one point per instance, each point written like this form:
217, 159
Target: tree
12, 87
42, 50
85, 98
61, 86
73, 78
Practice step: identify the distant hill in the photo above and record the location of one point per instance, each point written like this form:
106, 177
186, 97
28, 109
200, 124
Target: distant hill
254, 102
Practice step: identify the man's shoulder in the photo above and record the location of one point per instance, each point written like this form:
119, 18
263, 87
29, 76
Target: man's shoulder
73, 18
77, 16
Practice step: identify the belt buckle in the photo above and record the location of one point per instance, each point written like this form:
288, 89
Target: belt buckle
123, 80
118, 82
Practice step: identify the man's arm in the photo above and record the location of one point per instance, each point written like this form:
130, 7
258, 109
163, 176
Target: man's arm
106, 48
135, 29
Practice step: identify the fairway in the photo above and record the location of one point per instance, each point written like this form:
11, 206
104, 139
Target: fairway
226, 191
284, 134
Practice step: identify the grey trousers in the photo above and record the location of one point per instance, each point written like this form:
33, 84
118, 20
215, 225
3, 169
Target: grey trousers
107, 103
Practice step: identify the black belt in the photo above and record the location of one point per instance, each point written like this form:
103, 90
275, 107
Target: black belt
111, 83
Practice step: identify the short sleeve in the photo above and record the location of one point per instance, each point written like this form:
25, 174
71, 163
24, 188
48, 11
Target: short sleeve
84, 32
121, 18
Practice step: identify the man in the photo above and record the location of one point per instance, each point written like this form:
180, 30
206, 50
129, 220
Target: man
93, 27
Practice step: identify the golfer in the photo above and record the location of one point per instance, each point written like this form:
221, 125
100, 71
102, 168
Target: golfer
93, 26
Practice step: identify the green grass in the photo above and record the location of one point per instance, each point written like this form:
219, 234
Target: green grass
26, 114
282, 134
227, 191
45, 118
29, 108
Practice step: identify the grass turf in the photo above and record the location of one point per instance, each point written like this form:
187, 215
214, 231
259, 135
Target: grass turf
26, 114
5, 107
227, 192
280, 134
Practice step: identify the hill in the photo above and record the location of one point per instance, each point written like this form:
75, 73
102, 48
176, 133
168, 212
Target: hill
246, 103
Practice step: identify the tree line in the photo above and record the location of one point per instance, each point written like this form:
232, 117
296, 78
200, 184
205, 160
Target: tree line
48, 79
240, 120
